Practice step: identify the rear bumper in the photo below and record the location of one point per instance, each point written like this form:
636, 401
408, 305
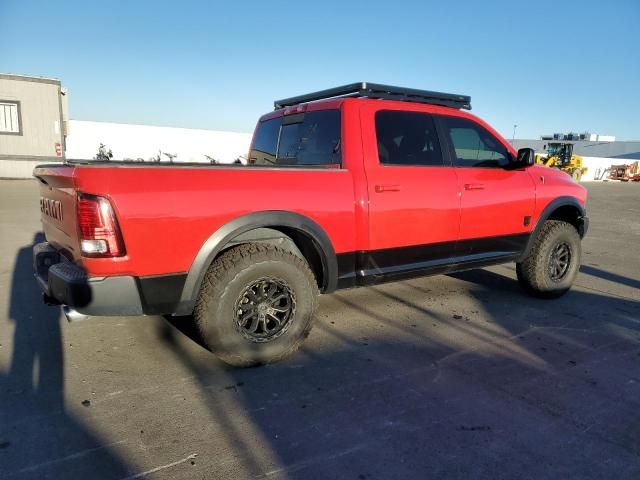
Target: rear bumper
67, 283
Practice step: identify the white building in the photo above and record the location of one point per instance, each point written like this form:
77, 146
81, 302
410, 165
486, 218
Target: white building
34, 129
33, 123
145, 142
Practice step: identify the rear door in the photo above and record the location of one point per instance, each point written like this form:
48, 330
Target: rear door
414, 208
497, 203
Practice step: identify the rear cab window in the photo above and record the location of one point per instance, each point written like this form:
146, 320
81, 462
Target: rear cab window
300, 140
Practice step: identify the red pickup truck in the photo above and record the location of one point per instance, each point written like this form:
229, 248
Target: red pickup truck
344, 187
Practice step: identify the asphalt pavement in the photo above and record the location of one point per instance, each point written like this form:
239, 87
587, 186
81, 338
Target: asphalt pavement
457, 377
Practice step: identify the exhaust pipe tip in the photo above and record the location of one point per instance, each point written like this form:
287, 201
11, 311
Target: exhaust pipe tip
73, 315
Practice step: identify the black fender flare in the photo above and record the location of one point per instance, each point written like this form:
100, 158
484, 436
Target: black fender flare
236, 227
583, 221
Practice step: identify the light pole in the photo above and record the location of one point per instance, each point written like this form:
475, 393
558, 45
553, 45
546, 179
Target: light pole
513, 137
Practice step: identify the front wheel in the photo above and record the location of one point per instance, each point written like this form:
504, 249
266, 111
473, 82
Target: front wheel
256, 304
553, 262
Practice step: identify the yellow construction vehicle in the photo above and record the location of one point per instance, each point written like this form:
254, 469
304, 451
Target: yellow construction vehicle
560, 155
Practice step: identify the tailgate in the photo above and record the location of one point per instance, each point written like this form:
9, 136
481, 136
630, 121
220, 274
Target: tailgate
58, 208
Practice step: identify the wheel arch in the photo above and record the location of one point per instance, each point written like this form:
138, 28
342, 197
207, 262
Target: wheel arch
567, 209
292, 231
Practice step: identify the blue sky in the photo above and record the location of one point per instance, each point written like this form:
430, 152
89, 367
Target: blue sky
545, 65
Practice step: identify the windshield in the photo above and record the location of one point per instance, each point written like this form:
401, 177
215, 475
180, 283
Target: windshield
554, 149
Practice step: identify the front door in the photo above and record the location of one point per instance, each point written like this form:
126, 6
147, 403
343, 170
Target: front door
497, 203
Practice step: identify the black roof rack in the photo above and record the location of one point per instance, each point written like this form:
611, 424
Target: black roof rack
386, 92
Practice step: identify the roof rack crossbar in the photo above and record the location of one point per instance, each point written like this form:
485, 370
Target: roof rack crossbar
384, 92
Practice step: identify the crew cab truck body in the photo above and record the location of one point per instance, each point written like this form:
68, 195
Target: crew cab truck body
347, 187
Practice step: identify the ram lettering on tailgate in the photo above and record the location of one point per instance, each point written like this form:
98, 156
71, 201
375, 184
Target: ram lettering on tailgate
51, 208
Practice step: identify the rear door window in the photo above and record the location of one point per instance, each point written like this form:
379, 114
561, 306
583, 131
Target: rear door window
306, 139
407, 138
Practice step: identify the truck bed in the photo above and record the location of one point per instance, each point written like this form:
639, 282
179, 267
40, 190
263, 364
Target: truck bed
168, 211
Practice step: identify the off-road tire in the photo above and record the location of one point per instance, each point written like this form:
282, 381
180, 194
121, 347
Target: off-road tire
535, 271
223, 285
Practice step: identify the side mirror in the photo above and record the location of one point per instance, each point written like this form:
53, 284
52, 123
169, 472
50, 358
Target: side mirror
526, 158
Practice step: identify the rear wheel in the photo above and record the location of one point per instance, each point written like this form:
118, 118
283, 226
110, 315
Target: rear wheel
551, 266
256, 304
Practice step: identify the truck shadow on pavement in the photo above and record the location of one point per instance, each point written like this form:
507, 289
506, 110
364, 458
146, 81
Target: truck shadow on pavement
612, 277
38, 436
552, 386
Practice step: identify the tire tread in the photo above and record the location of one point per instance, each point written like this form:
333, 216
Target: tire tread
214, 286
531, 271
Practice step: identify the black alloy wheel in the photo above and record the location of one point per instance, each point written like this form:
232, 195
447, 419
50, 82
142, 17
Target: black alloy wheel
559, 261
265, 309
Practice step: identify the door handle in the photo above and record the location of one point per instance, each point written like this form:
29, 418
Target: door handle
474, 186
387, 188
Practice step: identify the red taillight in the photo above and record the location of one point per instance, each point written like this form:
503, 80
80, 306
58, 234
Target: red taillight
98, 226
